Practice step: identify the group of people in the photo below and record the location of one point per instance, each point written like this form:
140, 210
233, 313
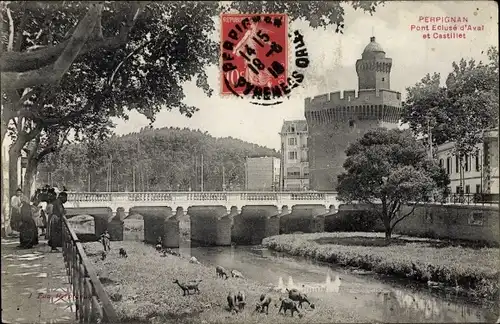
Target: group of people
44, 212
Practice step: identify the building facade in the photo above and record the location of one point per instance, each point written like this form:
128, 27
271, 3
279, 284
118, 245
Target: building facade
262, 173
339, 118
475, 173
294, 155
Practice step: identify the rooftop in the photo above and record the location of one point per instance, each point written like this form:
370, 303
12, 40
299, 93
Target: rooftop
373, 46
300, 126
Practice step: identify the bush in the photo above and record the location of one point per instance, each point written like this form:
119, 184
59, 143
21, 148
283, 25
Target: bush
351, 221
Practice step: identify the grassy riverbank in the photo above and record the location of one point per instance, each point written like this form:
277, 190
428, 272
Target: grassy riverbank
144, 282
475, 270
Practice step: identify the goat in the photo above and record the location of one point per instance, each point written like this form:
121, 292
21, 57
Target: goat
241, 300
194, 260
297, 296
232, 302
264, 302
187, 287
288, 304
236, 274
221, 272
123, 253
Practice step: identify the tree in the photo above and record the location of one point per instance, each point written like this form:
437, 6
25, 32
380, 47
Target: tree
460, 110
388, 169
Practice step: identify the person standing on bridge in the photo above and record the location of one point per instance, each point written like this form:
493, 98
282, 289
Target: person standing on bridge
58, 212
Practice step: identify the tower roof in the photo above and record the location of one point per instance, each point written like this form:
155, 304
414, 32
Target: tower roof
373, 46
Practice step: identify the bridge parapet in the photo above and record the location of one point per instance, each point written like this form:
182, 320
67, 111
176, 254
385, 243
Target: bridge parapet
188, 199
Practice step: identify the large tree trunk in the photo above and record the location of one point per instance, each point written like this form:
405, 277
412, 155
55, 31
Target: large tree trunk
29, 176
14, 154
388, 233
6, 230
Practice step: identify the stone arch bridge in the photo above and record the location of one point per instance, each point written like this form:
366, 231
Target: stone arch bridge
217, 218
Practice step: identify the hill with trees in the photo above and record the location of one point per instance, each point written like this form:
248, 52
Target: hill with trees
152, 160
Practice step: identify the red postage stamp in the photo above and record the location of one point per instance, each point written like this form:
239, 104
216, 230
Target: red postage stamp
254, 54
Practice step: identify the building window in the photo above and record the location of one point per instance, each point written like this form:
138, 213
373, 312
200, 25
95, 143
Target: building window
466, 163
306, 172
478, 165
448, 165
293, 173
292, 141
478, 188
351, 123
441, 163
292, 155
457, 189
383, 79
467, 189
457, 164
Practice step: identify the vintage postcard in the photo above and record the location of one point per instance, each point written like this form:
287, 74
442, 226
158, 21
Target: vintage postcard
250, 161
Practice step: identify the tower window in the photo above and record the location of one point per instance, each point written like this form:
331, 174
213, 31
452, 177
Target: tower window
351, 123
383, 79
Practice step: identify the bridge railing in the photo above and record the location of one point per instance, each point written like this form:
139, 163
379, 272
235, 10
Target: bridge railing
92, 302
208, 196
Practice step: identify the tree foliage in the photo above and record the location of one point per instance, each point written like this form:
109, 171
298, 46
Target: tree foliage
162, 159
460, 110
388, 169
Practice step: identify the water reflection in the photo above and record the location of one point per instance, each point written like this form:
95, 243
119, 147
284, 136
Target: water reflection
401, 306
328, 286
386, 302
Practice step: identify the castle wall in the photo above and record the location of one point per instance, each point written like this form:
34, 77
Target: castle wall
338, 119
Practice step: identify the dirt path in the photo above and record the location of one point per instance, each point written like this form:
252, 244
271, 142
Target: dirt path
35, 288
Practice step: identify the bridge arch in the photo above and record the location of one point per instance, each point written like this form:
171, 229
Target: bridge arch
101, 215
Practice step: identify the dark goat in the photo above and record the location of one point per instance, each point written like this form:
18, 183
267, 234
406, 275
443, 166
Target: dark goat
264, 302
221, 272
297, 296
288, 304
241, 300
123, 253
232, 302
187, 287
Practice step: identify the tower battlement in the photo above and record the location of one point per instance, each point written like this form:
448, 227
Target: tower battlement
346, 98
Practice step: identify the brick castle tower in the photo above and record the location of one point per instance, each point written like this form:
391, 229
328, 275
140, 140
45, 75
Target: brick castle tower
337, 119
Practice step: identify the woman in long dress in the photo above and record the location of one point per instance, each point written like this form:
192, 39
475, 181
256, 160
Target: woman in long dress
28, 232
15, 210
58, 212
51, 197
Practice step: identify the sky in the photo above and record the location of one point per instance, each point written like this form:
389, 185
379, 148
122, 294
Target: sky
332, 68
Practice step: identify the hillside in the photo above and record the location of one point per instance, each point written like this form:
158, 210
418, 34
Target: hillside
157, 159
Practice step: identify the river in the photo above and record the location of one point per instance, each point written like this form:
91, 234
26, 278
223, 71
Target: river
379, 300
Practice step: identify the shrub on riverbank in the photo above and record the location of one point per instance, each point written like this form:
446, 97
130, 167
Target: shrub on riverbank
472, 272
142, 290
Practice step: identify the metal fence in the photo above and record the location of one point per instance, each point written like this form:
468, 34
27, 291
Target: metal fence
92, 302
472, 199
